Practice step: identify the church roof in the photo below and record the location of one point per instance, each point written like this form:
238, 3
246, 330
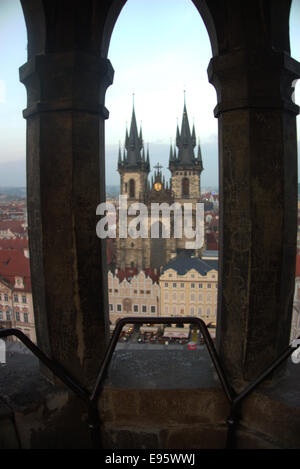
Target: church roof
183, 263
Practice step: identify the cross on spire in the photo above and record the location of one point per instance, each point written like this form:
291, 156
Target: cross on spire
158, 167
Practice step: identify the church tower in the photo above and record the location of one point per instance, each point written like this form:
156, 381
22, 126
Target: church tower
134, 167
185, 167
184, 187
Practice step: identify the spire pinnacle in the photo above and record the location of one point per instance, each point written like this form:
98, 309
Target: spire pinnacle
193, 136
185, 141
177, 135
199, 156
141, 135
171, 157
134, 145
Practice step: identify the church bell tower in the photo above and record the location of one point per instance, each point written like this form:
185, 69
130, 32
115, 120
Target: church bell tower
185, 167
133, 167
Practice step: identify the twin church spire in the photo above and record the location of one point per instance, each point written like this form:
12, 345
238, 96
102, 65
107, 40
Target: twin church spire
135, 158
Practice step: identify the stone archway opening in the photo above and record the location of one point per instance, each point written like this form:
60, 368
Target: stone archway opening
158, 99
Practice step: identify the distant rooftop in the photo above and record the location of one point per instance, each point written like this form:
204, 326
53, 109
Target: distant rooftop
183, 263
210, 255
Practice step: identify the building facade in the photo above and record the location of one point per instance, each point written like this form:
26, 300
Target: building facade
189, 287
132, 294
16, 306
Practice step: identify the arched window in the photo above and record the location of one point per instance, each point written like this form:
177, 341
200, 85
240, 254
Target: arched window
185, 187
132, 188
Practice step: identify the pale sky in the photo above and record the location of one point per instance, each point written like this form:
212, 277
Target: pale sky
157, 52
166, 51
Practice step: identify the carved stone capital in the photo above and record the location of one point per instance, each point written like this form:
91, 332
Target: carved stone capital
254, 79
69, 81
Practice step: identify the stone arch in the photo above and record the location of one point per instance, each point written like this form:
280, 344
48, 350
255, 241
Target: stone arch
250, 44
116, 8
241, 34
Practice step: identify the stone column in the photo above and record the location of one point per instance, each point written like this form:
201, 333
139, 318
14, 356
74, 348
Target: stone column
258, 206
66, 181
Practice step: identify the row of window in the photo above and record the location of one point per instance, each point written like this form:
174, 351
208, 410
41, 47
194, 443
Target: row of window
192, 275
136, 308
192, 311
4, 297
18, 316
193, 285
167, 285
135, 292
208, 297
16, 298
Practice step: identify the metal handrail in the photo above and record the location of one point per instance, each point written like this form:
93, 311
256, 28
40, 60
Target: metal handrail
234, 417
98, 388
51, 364
91, 399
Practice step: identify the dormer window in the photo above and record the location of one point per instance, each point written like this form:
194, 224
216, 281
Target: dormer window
19, 282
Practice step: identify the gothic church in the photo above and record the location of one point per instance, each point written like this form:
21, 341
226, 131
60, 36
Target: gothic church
184, 186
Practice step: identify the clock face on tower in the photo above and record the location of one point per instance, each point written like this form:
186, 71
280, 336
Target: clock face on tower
157, 186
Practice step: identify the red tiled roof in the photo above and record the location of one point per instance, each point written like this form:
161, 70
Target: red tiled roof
13, 225
154, 276
131, 272
126, 273
15, 264
15, 244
